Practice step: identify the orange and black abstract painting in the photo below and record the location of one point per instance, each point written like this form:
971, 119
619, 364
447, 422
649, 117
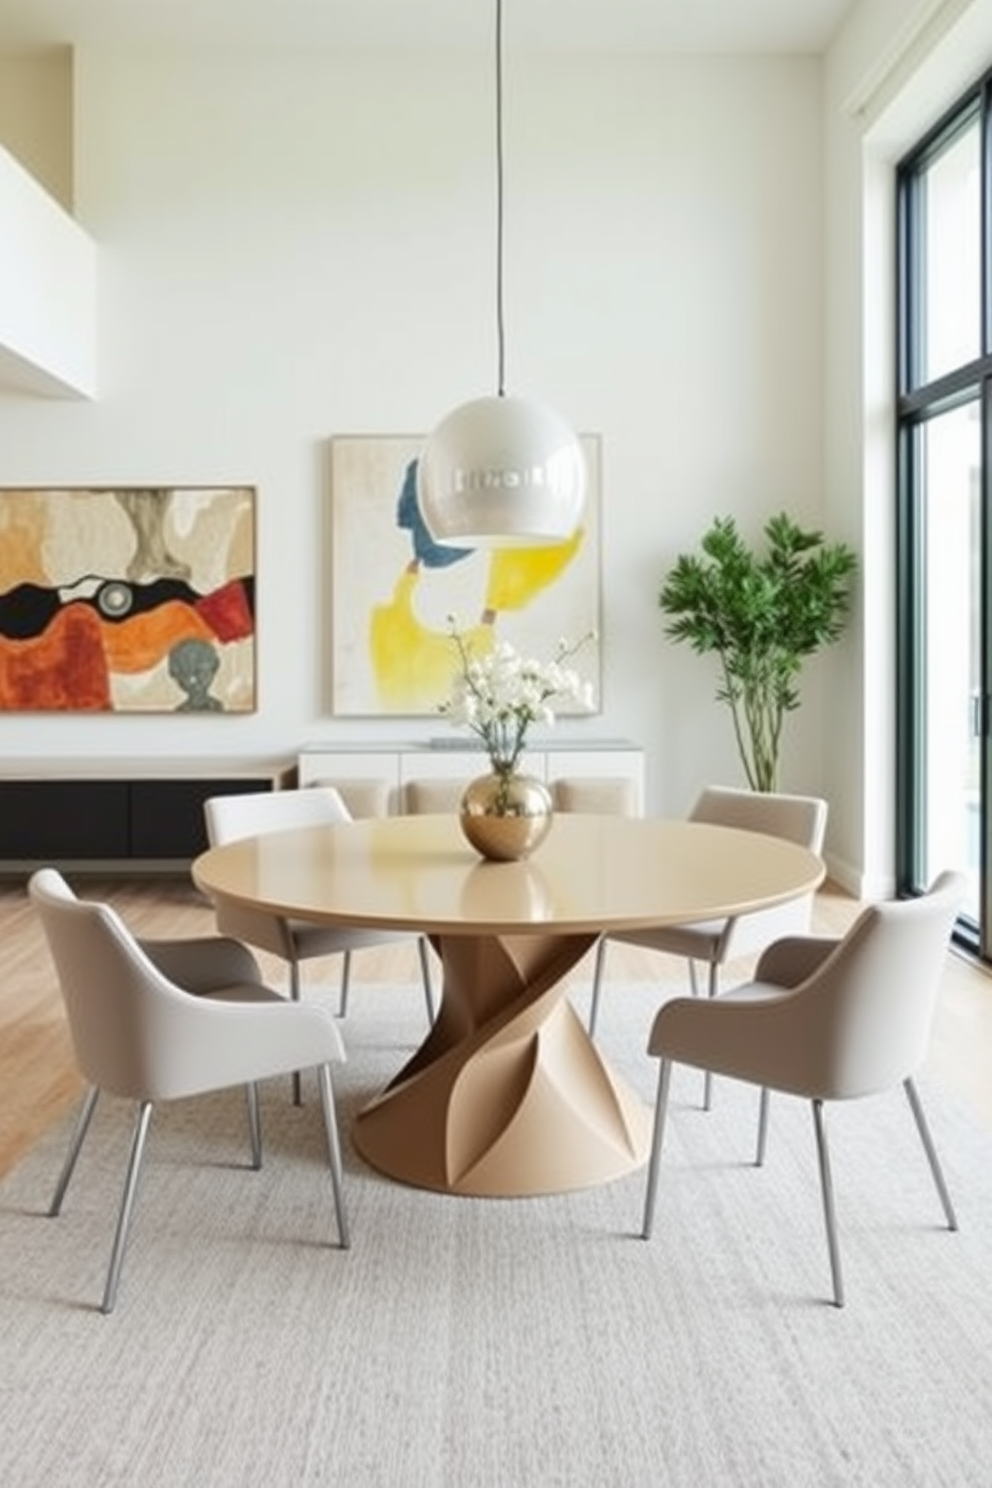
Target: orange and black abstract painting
127, 600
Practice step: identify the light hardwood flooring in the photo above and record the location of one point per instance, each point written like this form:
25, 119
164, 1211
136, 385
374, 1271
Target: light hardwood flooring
38, 1077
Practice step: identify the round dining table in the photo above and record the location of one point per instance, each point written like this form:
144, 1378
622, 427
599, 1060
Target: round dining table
507, 1095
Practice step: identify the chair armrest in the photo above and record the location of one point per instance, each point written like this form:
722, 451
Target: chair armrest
203, 965
789, 961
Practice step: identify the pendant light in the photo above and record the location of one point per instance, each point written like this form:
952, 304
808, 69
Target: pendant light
501, 471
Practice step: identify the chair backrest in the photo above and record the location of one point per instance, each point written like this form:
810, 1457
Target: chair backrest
614, 795
363, 798
432, 794
799, 819
861, 1023
116, 1000
256, 813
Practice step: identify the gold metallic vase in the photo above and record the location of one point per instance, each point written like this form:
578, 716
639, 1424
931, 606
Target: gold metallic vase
505, 816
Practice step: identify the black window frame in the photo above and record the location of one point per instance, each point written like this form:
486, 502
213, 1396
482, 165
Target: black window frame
918, 402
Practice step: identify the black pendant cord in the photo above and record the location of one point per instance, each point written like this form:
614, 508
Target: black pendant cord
500, 321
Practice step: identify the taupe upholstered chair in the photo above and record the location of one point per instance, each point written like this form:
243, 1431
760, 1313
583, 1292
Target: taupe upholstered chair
442, 793
801, 819
158, 1020
825, 1019
230, 818
363, 798
614, 795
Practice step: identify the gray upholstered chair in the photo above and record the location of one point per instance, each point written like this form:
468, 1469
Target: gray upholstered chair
801, 819
824, 1019
253, 814
159, 1020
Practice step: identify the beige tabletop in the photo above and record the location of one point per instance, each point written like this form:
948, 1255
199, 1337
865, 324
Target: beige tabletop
591, 872
507, 1095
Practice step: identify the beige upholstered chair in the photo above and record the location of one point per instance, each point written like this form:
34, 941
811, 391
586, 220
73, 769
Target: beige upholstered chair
824, 1019
613, 795
229, 818
440, 794
158, 1020
362, 798
801, 819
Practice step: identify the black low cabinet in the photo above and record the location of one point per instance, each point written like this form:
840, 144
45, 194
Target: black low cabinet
57, 821
53, 819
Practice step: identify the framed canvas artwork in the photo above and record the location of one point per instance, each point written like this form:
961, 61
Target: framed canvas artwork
127, 600
395, 592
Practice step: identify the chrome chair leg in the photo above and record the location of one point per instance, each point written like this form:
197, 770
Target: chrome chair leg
425, 972
254, 1124
334, 1152
762, 1127
127, 1203
658, 1136
82, 1126
345, 987
712, 987
294, 992
909, 1085
829, 1212
597, 982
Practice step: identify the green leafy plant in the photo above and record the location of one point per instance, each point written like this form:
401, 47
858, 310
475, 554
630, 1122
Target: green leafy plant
762, 614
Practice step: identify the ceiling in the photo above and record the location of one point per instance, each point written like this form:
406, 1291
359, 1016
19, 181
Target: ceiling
583, 25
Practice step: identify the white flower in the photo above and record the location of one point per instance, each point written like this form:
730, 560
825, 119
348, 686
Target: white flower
498, 696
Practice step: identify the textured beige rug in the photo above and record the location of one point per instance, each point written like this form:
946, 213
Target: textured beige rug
500, 1343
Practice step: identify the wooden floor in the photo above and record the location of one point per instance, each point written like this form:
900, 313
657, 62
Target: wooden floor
38, 1078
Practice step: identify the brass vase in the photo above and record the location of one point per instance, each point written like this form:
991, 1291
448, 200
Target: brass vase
505, 816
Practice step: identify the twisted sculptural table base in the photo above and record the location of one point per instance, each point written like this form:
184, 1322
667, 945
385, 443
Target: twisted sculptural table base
508, 1095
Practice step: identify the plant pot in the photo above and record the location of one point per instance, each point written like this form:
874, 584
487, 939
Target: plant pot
505, 816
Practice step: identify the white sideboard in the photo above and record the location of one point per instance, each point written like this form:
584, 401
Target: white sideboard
394, 765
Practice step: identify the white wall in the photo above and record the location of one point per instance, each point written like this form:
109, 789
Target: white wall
294, 247
48, 289
36, 117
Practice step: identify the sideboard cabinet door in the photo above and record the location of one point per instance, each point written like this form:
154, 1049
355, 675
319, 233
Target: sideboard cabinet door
48, 820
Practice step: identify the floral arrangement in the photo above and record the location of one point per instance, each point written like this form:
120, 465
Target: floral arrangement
499, 695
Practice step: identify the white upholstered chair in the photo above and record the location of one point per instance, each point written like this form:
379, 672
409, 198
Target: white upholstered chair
800, 819
824, 1019
253, 814
159, 1020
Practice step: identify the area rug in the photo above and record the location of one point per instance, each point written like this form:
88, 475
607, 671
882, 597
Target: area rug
501, 1343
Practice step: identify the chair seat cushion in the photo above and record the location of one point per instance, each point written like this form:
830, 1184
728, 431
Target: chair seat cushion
329, 940
246, 992
700, 942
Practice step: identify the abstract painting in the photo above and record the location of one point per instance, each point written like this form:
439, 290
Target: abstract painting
394, 590
127, 600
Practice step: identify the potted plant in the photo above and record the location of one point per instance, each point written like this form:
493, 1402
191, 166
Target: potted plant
763, 614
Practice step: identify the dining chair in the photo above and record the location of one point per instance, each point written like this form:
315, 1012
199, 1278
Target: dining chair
800, 819
434, 793
160, 1020
363, 797
615, 795
229, 818
828, 1020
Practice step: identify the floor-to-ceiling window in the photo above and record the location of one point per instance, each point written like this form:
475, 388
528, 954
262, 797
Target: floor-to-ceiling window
945, 533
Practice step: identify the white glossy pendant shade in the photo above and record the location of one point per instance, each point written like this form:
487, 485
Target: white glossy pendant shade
501, 472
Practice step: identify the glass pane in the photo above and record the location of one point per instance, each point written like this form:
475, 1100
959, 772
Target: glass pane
952, 288
952, 678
